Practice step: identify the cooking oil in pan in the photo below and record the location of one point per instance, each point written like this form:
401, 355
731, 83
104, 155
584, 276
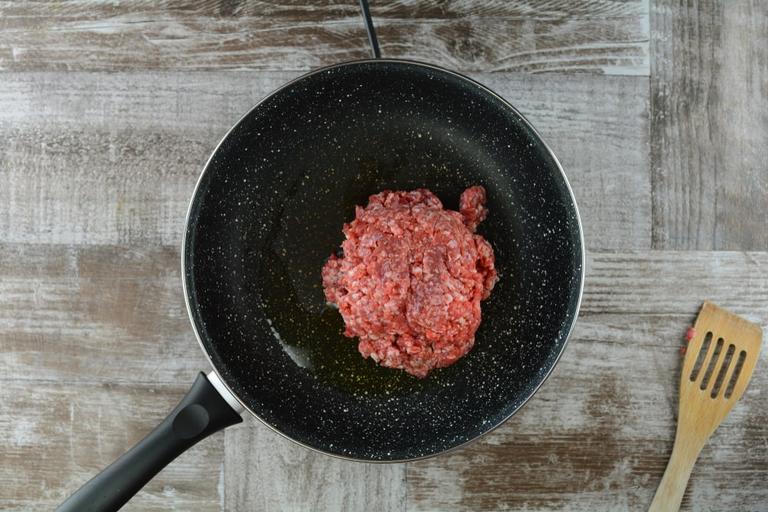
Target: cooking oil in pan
311, 332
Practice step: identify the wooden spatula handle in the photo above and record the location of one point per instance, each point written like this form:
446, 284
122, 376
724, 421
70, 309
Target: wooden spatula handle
669, 495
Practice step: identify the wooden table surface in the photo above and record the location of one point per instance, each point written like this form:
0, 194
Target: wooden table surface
658, 110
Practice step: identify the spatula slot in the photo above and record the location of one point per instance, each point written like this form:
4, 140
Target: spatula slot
700, 358
712, 364
735, 376
723, 369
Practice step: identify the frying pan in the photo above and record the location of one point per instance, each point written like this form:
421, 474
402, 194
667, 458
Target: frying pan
267, 212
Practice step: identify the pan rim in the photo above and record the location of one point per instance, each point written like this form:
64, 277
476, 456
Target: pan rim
433, 67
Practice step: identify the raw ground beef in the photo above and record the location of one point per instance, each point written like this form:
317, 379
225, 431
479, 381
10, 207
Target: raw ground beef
412, 277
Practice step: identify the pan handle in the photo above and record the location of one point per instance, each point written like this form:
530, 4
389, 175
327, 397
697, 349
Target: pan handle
369, 27
200, 413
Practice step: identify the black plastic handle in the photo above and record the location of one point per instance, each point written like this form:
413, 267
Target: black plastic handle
200, 413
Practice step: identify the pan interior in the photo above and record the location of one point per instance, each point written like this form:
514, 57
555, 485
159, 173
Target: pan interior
269, 209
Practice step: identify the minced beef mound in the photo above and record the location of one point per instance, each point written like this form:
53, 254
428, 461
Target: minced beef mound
412, 277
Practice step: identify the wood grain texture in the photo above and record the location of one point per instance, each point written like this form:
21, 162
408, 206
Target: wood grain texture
55, 436
94, 314
108, 110
125, 150
601, 36
676, 283
263, 471
709, 103
598, 434
596, 437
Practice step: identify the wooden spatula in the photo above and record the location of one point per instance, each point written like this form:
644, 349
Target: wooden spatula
718, 365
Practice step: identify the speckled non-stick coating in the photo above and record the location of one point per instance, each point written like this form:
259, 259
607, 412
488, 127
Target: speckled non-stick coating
268, 211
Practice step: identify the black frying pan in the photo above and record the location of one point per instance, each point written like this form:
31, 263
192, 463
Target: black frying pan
268, 211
